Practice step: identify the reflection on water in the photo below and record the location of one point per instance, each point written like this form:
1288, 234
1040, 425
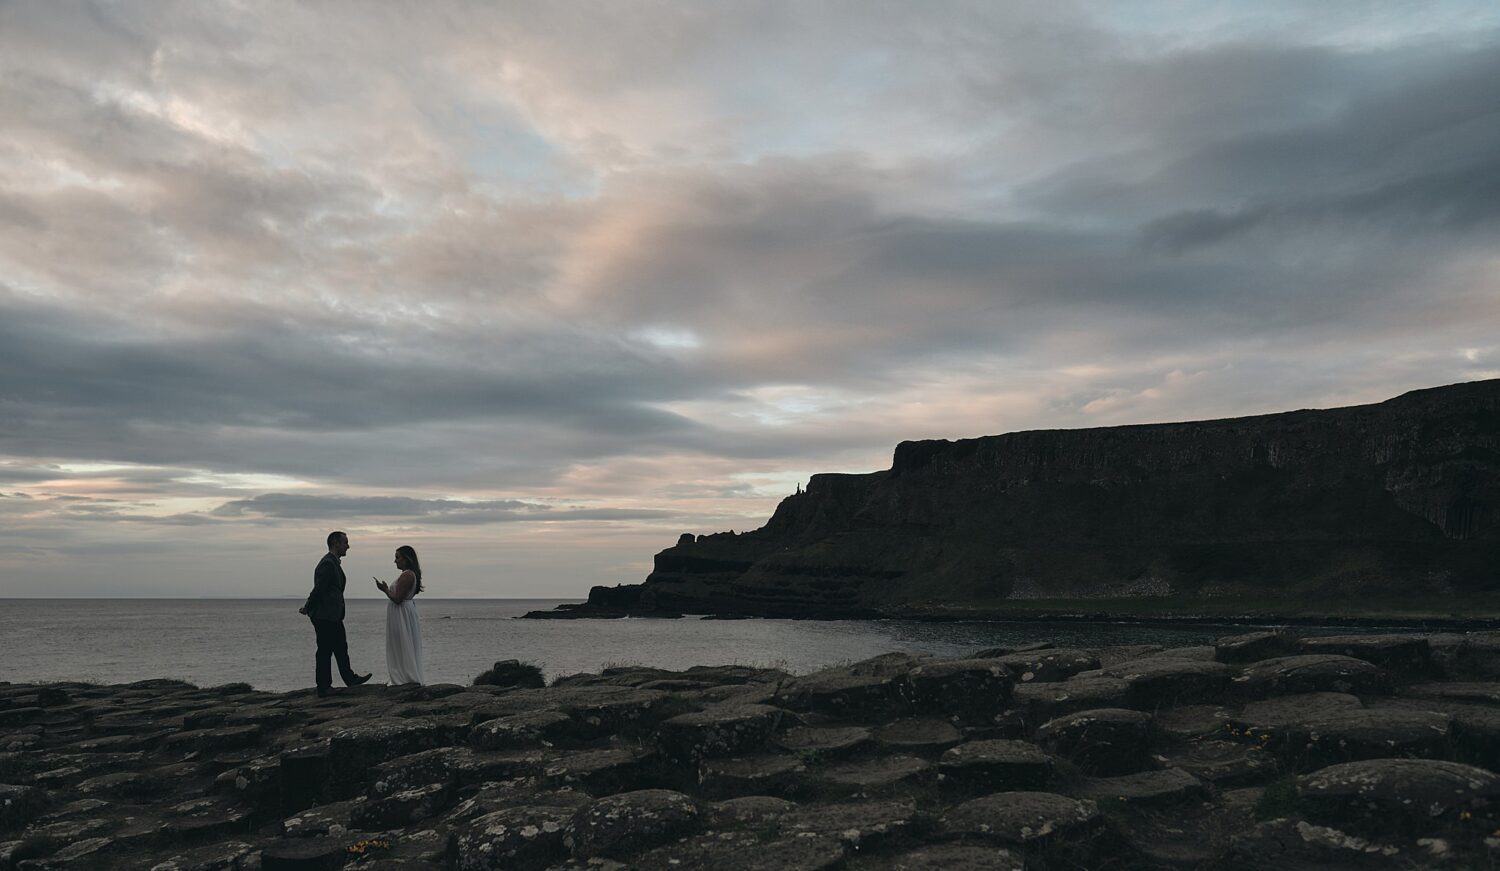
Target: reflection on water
268, 644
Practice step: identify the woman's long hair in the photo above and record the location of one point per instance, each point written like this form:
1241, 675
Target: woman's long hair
410, 555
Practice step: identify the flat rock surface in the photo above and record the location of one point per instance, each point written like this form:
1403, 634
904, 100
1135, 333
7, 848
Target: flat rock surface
918, 735
748, 851
720, 730
764, 774
1408, 793
1253, 646
618, 825
996, 764
1163, 680
1400, 653
858, 824
947, 858
1294, 708
1044, 701
874, 776
1222, 763
514, 837
1194, 835
825, 741
972, 690
1146, 788
1021, 817
841, 692
1363, 734
1130, 756
517, 731
1100, 741
1186, 722
751, 810
1299, 845
1045, 666
1480, 692
1311, 673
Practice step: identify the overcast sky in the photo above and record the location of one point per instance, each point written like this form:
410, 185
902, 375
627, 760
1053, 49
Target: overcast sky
536, 287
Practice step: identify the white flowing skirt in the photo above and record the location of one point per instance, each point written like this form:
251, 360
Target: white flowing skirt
403, 643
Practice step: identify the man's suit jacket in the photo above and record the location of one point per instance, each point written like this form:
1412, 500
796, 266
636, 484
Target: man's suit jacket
326, 601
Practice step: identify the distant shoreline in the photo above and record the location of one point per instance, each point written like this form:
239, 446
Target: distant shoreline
1475, 612
1243, 620
1125, 620
285, 598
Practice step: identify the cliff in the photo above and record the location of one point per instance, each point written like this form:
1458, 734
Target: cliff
1399, 498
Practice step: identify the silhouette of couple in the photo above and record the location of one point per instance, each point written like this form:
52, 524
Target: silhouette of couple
403, 631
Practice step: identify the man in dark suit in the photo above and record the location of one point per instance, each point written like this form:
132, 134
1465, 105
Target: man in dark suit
325, 607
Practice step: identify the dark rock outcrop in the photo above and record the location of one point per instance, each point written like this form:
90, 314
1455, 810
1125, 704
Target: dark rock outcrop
511, 673
1400, 497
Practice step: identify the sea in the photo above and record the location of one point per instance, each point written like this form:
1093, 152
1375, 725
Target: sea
267, 644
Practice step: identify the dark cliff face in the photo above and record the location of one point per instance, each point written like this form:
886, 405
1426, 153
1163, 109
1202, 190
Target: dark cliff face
1398, 497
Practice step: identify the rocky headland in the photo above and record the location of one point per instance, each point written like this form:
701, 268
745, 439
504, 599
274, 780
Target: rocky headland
1334, 509
1266, 750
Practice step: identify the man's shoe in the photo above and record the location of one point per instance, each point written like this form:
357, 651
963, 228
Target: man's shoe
359, 679
325, 692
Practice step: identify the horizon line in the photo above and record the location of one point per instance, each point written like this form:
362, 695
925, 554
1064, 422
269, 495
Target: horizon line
291, 598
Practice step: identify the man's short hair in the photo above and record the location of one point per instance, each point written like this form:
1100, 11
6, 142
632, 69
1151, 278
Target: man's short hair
335, 536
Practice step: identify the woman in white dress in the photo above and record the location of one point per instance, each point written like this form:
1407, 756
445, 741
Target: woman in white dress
403, 631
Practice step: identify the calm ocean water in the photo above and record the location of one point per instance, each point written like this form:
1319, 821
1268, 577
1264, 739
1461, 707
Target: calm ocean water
266, 643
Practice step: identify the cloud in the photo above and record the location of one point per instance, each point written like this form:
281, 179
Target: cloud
113, 515
307, 505
641, 267
1446, 203
315, 507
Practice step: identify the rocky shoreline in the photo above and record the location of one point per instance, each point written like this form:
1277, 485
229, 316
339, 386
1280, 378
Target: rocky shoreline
1265, 750
1402, 622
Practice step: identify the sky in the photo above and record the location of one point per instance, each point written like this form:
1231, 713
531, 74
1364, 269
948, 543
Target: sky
536, 287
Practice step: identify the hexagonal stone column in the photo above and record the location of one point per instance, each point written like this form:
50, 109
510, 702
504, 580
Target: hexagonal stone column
766, 774
1022, 818
1046, 701
1146, 788
630, 821
994, 765
514, 839
1104, 741
920, 735
840, 693
521, 731
825, 742
955, 857
1045, 666
1379, 796
1311, 673
720, 730
1254, 646
969, 690
1164, 680
1362, 734
1408, 655
882, 775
